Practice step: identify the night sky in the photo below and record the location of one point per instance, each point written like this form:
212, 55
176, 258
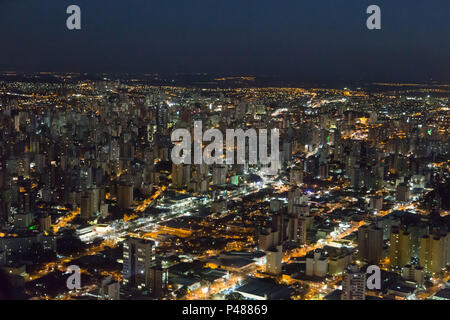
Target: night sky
314, 39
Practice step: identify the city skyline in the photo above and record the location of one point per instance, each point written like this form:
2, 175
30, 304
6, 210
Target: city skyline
213, 157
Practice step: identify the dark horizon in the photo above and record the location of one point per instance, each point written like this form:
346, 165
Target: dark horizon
306, 41
223, 81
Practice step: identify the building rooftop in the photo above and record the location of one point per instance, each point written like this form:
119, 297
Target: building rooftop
265, 288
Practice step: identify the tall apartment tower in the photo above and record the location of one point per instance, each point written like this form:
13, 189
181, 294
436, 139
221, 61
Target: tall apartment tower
354, 284
370, 243
177, 175
86, 207
293, 228
162, 117
316, 264
296, 176
45, 223
219, 175
400, 248
181, 175
268, 238
299, 221
302, 227
273, 259
279, 225
296, 198
402, 192
138, 258
125, 195
433, 253
158, 279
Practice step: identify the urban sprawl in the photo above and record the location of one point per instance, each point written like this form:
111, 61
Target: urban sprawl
87, 180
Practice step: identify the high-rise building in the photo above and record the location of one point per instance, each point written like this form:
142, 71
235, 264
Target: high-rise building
324, 171
181, 175
158, 279
316, 264
400, 248
177, 175
302, 228
45, 223
86, 206
402, 193
354, 284
293, 228
339, 263
162, 117
267, 239
125, 195
376, 203
273, 259
296, 176
433, 253
23, 220
296, 198
219, 175
138, 257
370, 243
